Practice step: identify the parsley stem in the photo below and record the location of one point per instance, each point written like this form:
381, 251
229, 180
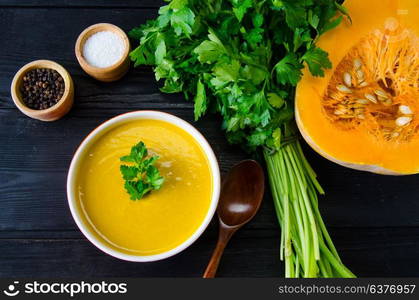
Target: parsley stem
306, 246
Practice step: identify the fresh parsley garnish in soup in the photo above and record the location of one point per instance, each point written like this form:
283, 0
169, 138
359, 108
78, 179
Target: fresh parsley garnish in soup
141, 176
164, 218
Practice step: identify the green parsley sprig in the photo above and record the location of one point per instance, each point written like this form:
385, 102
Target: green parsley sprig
141, 177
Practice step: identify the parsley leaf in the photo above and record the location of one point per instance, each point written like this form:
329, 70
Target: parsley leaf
200, 100
142, 176
182, 21
275, 100
317, 60
227, 72
240, 7
288, 69
160, 52
129, 172
209, 51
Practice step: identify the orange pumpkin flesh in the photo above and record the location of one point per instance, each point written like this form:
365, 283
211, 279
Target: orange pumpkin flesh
364, 113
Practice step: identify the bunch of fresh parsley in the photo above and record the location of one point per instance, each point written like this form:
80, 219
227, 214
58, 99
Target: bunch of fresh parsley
141, 177
242, 59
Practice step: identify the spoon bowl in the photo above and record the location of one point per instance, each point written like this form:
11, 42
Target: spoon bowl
242, 193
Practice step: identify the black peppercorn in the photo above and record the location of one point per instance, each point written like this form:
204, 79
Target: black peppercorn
42, 88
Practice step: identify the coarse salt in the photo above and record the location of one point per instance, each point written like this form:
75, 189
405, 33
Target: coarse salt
103, 49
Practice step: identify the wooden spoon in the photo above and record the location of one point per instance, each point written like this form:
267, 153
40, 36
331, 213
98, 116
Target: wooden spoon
241, 195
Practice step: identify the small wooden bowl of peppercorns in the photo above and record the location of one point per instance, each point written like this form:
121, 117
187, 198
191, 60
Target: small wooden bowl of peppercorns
43, 90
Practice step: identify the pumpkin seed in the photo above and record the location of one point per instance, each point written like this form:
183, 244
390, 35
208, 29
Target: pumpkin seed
362, 101
395, 134
381, 93
339, 112
371, 97
361, 116
363, 84
388, 102
405, 109
347, 79
402, 121
341, 107
343, 88
357, 63
360, 75
334, 96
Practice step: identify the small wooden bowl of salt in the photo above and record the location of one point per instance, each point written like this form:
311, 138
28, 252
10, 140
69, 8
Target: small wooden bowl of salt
102, 51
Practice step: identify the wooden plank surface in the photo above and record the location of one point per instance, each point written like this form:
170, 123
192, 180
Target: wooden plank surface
83, 3
379, 252
373, 219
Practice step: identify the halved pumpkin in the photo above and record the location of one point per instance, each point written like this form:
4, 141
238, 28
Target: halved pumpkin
364, 113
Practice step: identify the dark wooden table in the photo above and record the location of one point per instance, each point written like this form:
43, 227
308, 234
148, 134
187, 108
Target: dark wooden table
373, 220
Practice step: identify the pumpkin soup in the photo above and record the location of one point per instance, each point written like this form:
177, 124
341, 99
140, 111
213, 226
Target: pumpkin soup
164, 218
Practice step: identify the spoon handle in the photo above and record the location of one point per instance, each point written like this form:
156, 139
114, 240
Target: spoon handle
223, 238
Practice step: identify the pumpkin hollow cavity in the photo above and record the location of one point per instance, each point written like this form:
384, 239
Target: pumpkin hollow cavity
375, 86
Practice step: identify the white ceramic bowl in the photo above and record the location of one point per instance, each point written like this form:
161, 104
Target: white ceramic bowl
91, 138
